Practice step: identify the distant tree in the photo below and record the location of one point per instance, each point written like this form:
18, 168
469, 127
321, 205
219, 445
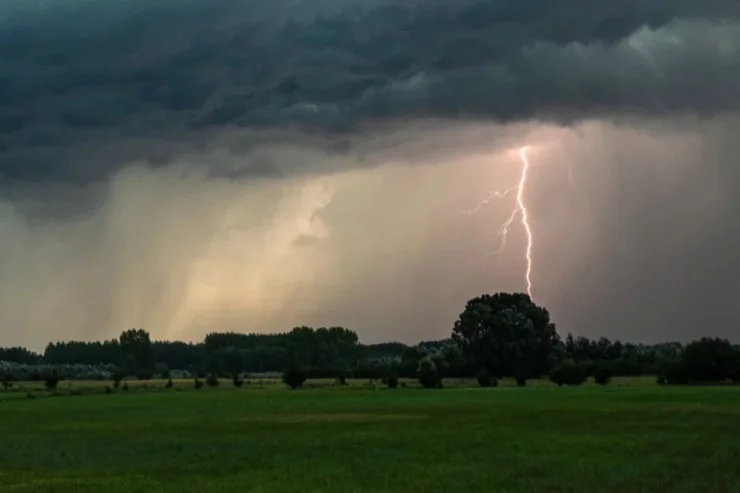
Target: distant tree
428, 374
710, 360
294, 377
212, 380
237, 381
83, 352
507, 334
392, 380
136, 345
341, 378
19, 355
485, 379
197, 384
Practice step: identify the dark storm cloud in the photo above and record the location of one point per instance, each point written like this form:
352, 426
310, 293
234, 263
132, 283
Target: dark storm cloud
129, 79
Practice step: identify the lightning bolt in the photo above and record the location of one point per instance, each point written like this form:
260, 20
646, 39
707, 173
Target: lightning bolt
525, 215
520, 210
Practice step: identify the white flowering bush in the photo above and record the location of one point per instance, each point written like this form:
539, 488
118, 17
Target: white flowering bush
16, 372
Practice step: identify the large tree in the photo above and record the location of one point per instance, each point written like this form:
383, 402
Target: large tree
507, 334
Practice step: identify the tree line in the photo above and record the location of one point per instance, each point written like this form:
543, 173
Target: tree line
495, 336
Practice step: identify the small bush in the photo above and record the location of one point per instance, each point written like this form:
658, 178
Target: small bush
169, 384
602, 375
108, 390
294, 377
392, 381
6, 381
569, 373
662, 380
198, 384
125, 387
521, 381
51, 381
117, 378
212, 380
428, 374
237, 381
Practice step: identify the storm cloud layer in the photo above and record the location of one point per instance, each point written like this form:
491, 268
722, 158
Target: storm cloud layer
138, 79
193, 165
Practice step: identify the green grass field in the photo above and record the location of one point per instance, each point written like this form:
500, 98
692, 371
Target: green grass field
629, 437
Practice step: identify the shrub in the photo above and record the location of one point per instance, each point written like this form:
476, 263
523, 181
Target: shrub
212, 380
169, 384
602, 375
392, 380
428, 374
294, 377
108, 390
569, 373
341, 380
125, 387
198, 384
662, 380
237, 381
51, 381
117, 377
521, 380
486, 380
6, 380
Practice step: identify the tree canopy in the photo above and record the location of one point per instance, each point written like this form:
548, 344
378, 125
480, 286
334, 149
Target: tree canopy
136, 346
507, 334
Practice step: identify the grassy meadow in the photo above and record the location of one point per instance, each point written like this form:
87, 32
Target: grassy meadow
626, 437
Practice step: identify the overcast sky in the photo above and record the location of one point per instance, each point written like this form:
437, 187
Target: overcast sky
197, 165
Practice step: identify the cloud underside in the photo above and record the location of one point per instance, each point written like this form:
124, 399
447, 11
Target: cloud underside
152, 77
